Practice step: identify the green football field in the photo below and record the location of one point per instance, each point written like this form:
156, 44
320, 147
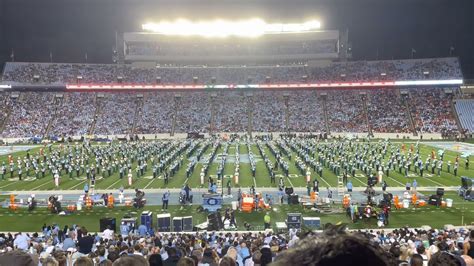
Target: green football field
261, 180
461, 213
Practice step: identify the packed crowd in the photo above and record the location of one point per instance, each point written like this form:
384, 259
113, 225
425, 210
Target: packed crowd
346, 112
333, 246
386, 113
33, 113
116, 113
77, 113
55, 73
438, 68
432, 112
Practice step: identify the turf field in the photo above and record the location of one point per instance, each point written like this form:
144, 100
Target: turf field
21, 220
462, 212
262, 179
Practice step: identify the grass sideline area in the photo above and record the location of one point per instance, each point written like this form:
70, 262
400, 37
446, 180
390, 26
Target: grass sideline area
262, 179
25, 221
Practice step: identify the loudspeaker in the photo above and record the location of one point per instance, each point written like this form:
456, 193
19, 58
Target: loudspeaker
177, 224
188, 223
312, 222
147, 219
440, 191
214, 221
163, 222
131, 222
294, 199
293, 225
294, 218
289, 190
435, 200
104, 222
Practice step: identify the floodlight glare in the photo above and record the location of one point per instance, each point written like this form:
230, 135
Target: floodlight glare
224, 28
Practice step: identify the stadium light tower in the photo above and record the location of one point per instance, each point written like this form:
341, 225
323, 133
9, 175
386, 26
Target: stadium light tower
224, 28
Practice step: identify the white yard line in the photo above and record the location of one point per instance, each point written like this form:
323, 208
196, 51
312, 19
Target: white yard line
46, 183
186, 181
439, 184
325, 181
359, 180
149, 183
291, 184
396, 181
113, 184
14, 182
80, 183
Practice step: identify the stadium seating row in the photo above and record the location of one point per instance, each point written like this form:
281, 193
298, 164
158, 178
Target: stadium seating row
55, 73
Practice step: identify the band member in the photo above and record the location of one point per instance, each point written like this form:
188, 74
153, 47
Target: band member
130, 177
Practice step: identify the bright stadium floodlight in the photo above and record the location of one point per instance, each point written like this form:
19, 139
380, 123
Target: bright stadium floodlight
223, 28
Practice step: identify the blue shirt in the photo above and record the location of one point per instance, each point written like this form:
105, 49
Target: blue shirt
21, 241
142, 230
349, 185
244, 252
124, 229
68, 243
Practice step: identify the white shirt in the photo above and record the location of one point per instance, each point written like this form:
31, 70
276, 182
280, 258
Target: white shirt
108, 234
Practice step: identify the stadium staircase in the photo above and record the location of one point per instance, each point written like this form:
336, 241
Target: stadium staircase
175, 115
98, 109
250, 115
406, 102
213, 114
452, 103
326, 116
366, 111
4, 121
58, 102
138, 108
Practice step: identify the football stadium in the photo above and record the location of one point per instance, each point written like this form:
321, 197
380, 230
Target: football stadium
236, 133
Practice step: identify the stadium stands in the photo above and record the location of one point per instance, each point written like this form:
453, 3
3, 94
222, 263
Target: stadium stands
345, 112
426, 110
77, 113
30, 114
465, 110
384, 112
431, 111
55, 73
112, 113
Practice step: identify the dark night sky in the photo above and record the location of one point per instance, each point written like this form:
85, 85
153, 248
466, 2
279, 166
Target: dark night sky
70, 28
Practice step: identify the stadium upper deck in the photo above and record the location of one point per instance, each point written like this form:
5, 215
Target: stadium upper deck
357, 71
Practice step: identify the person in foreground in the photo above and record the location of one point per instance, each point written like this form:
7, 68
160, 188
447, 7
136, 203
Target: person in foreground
335, 246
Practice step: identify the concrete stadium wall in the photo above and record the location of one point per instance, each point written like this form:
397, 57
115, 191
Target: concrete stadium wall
427, 136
